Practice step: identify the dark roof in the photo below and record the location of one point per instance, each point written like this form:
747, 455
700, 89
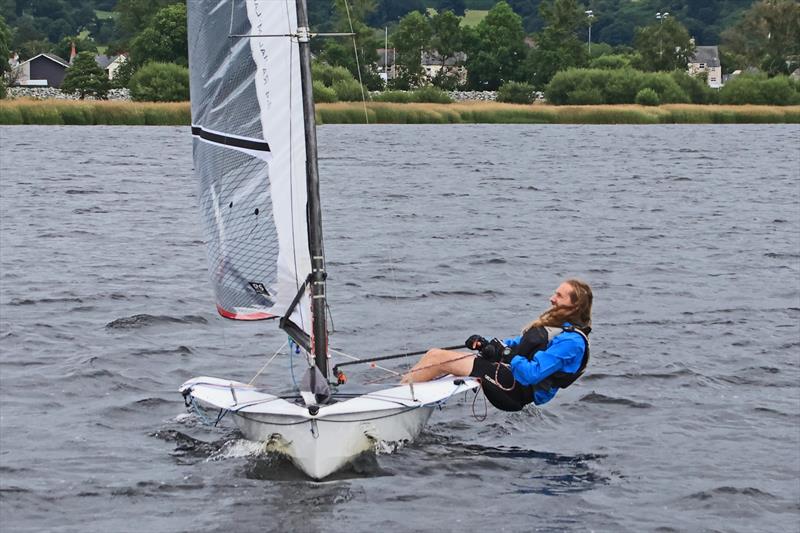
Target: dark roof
104, 60
51, 57
706, 54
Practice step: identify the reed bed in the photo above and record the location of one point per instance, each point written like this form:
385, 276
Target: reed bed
499, 113
93, 112
71, 112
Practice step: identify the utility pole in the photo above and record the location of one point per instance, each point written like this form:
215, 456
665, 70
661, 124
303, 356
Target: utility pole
590, 16
661, 17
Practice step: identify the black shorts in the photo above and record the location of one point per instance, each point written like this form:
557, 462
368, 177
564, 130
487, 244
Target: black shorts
495, 379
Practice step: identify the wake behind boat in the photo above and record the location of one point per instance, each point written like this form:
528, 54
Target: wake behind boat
255, 155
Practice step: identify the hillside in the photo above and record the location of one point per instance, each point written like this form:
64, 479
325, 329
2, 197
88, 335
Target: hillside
39, 23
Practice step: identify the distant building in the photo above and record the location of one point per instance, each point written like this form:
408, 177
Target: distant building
451, 66
44, 70
111, 63
706, 60
386, 64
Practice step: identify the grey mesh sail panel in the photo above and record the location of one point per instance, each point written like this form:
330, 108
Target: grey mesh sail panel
249, 154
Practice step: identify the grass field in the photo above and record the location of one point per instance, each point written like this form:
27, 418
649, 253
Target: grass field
71, 112
473, 16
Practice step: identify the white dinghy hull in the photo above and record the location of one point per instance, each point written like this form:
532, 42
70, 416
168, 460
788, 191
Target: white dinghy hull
319, 444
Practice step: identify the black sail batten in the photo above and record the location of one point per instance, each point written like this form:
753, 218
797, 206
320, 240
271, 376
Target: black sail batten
319, 327
228, 140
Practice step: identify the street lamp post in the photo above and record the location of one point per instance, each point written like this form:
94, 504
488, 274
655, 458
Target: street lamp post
661, 17
590, 16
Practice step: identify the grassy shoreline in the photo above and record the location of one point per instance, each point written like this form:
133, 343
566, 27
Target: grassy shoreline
72, 112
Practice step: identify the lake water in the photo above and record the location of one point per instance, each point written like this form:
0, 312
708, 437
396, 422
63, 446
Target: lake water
688, 418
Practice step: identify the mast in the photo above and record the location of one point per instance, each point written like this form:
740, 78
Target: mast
318, 325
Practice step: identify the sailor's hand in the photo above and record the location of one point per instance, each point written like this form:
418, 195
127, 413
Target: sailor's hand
475, 342
495, 351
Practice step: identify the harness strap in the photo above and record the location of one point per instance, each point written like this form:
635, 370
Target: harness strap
562, 379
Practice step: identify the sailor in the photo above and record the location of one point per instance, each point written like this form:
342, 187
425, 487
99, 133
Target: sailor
550, 354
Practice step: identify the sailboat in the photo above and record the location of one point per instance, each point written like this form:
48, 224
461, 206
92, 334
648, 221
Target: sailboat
255, 156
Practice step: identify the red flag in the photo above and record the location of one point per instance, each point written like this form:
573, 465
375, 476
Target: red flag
72, 53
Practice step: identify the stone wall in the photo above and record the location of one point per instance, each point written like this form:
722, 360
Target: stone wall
463, 96
44, 93
481, 96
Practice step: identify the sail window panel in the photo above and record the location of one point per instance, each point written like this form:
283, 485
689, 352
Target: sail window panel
239, 227
222, 81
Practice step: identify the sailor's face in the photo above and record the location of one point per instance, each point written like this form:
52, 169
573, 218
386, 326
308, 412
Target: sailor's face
563, 296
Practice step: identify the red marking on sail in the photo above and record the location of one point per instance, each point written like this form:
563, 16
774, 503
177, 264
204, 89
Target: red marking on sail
256, 315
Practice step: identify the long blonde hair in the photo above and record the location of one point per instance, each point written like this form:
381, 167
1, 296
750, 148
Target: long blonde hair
578, 314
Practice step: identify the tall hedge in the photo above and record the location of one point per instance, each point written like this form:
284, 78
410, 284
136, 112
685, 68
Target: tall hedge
758, 89
160, 82
611, 86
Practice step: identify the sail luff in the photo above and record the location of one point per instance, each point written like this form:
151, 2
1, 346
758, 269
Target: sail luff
319, 327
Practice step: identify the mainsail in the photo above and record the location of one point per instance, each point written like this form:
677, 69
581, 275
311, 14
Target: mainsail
250, 155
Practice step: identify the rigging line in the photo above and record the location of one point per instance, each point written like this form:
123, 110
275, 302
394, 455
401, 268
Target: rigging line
401, 355
268, 362
410, 371
356, 359
358, 64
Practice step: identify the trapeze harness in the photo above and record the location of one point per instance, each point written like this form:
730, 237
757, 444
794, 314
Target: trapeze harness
507, 394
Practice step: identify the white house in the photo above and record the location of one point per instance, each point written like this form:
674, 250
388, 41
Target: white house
706, 59
451, 66
111, 64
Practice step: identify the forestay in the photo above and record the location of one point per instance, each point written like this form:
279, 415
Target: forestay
249, 155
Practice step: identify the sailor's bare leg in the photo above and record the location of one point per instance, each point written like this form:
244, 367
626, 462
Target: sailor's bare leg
438, 362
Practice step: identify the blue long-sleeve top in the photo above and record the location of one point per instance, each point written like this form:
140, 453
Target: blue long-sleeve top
564, 353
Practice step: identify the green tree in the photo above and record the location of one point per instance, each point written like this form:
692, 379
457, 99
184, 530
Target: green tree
5, 45
458, 7
30, 49
160, 82
767, 37
64, 46
529, 11
359, 60
497, 49
164, 39
412, 37
446, 40
5, 42
663, 46
557, 45
135, 15
86, 78
391, 11
26, 30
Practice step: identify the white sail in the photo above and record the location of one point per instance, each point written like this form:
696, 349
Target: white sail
249, 154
